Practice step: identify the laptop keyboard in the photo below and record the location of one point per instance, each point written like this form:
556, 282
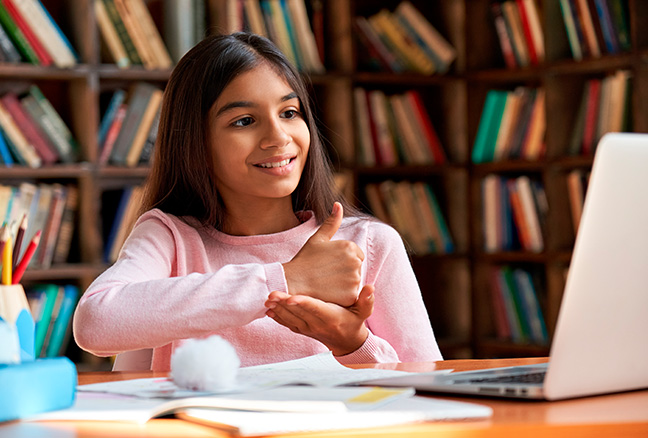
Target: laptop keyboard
537, 377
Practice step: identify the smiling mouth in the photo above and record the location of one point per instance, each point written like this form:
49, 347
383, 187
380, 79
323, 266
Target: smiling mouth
277, 164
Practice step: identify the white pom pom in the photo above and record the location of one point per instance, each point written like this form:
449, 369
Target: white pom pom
209, 364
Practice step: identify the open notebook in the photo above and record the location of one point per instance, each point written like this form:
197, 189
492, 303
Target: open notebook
599, 345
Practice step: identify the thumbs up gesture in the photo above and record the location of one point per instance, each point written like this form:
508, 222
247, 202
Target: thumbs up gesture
326, 269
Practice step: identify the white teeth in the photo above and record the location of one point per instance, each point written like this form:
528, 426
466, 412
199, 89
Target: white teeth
279, 164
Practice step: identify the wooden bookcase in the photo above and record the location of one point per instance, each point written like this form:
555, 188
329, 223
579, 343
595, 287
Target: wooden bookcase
455, 286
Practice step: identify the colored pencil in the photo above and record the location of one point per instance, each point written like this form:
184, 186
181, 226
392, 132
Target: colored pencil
6, 259
29, 253
18, 242
3, 237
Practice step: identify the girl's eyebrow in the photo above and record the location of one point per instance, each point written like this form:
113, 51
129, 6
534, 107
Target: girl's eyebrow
248, 104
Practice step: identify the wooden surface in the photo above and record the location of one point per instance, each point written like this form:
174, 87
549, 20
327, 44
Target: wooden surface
603, 416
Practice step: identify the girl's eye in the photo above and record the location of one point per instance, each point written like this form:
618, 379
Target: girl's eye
245, 121
291, 114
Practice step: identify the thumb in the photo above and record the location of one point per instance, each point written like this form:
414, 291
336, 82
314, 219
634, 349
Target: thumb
330, 226
365, 302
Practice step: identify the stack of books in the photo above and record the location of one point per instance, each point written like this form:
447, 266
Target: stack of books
514, 214
32, 133
604, 107
131, 35
52, 306
395, 129
51, 211
512, 126
403, 41
520, 34
516, 308
287, 24
596, 27
413, 209
28, 33
129, 126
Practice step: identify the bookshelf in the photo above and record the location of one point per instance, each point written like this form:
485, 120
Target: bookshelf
456, 286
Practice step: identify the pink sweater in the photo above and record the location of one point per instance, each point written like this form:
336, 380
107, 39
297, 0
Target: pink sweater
176, 280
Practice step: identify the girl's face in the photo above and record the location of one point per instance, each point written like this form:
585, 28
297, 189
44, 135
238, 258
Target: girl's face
258, 138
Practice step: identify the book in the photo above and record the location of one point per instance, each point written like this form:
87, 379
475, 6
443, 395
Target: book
384, 23
376, 203
136, 33
64, 149
305, 37
133, 198
429, 134
42, 300
32, 132
112, 134
532, 310
533, 147
444, 51
384, 142
503, 35
576, 192
374, 44
141, 135
513, 21
116, 99
60, 325
43, 257
140, 95
570, 26
489, 123
591, 115
585, 18
122, 32
366, 155
5, 153
424, 210
20, 147
56, 120
17, 36
507, 288
7, 47
110, 35
43, 56
47, 32
179, 27
415, 149
502, 326
153, 38
149, 144
66, 229
254, 17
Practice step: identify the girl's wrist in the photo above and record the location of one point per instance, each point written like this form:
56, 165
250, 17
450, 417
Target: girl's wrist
353, 344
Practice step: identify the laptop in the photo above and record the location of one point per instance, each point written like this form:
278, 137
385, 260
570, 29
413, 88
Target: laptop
600, 344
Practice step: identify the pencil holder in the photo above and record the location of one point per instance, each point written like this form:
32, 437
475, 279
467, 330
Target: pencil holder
16, 324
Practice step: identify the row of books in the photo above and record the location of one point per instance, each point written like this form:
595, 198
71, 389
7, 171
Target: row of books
130, 34
129, 125
402, 41
516, 308
32, 133
395, 129
512, 126
604, 107
52, 306
596, 27
29, 33
287, 24
50, 210
519, 31
577, 182
514, 212
413, 209
123, 207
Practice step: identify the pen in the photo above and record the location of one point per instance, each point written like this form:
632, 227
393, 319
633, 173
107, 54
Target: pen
18, 242
6, 258
29, 253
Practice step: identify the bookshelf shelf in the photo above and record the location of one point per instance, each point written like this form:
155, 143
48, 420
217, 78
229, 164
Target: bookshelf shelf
456, 286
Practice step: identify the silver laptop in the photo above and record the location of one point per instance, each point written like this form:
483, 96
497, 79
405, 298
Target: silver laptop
600, 344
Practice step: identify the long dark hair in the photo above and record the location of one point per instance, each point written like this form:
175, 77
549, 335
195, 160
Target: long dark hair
181, 181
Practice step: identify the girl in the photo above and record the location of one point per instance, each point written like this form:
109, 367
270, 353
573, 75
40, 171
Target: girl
244, 236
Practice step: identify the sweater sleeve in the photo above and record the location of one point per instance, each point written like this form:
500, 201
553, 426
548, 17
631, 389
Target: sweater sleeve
400, 329
145, 300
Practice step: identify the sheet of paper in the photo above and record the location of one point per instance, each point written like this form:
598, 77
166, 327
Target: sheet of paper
321, 370
401, 411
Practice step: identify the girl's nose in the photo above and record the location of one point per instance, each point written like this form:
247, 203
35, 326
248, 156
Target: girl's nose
275, 136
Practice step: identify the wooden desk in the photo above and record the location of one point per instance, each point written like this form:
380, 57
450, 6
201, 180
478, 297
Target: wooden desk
603, 416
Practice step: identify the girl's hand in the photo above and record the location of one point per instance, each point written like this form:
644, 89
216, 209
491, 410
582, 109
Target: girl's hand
325, 269
341, 329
